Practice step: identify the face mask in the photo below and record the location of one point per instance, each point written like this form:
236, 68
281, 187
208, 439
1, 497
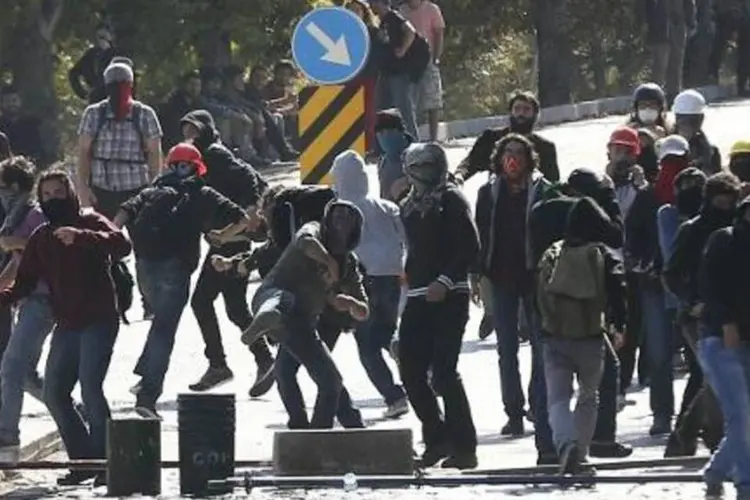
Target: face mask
689, 201
8, 198
120, 98
392, 142
521, 124
60, 211
648, 116
511, 167
182, 170
621, 170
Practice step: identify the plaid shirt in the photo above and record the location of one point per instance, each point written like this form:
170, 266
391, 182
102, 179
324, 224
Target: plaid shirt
118, 161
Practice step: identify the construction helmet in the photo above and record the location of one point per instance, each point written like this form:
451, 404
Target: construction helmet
689, 102
740, 147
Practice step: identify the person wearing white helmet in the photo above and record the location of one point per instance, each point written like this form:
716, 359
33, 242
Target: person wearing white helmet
442, 246
689, 108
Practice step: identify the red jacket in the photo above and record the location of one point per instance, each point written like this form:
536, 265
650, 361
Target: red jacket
81, 288
664, 188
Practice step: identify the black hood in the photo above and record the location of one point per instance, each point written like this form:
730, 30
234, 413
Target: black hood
326, 222
204, 122
588, 182
585, 222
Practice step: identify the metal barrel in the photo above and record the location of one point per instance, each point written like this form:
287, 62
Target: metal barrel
206, 435
133, 457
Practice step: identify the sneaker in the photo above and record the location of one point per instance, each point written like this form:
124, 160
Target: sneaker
75, 477
661, 426
485, 327
677, 446
461, 461
397, 409
570, 459
136, 388
264, 378
513, 428
264, 323
147, 412
10, 451
714, 491
434, 454
610, 450
214, 377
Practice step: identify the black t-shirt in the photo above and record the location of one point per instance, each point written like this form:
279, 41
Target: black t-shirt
393, 27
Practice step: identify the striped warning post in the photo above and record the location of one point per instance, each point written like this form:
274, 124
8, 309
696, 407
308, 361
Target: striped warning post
331, 121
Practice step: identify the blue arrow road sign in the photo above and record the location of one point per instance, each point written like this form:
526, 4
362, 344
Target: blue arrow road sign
330, 45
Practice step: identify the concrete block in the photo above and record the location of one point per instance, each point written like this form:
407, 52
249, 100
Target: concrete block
558, 114
337, 452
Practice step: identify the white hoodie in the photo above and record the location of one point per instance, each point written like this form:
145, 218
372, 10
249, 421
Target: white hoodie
383, 243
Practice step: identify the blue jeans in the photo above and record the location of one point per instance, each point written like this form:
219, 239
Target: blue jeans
301, 345
505, 307
374, 335
659, 339
80, 356
166, 287
34, 322
728, 374
404, 95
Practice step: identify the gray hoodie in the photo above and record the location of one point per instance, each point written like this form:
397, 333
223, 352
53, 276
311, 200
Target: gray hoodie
383, 242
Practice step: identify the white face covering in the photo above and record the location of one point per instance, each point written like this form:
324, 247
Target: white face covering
648, 116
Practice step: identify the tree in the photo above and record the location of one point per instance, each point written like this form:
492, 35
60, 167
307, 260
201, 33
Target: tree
556, 69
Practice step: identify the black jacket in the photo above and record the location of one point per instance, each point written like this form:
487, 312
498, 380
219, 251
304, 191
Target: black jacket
642, 241
681, 270
704, 155
479, 156
723, 278
25, 137
442, 245
170, 114
90, 68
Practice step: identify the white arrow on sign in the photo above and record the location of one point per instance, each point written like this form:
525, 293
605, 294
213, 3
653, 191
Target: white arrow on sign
336, 52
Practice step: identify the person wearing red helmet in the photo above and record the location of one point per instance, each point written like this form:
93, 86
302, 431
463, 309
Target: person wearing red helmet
166, 221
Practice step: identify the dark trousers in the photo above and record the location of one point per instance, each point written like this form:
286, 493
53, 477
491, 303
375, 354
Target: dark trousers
635, 347
286, 370
430, 336
6, 328
606, 421
233, 289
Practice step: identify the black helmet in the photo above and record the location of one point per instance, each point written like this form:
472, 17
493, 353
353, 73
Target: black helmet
649, 92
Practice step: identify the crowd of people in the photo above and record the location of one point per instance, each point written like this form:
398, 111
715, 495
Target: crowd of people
608, 274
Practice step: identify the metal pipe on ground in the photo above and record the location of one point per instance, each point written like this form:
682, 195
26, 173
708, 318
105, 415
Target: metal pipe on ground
250, 481
613, 465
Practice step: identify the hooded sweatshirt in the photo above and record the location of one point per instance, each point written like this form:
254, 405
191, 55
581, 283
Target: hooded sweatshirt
303, 276
383, 242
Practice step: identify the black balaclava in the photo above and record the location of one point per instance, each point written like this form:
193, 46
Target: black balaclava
204, 122
739, 165
717, 217
689, 185
341, 227
741, 226
61, 211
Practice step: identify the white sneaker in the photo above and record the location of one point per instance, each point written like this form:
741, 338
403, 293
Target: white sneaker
397, 409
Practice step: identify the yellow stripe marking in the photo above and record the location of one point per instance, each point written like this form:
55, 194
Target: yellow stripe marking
322, 98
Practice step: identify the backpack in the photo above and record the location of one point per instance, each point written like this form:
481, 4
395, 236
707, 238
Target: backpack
571, 290
124, 284
166, 219
135, 120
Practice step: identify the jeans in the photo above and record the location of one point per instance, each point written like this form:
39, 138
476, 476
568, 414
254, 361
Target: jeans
233, 289
404, 95
430, 337
728, 373
505, 308
659, 338
374, 335
606, 419
564, 359
299, 341
166, 286
33, 325
80, 356
286, 369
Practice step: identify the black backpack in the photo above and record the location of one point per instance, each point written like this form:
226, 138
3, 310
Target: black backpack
124, 284
166, 219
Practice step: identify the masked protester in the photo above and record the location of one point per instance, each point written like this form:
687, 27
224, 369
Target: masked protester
674, 157
699, 413
689, 108
650, 109
166, 222
506, 260
393, 140
318, 268
442, 246
739, 164
523, 110
72, 255
724, 348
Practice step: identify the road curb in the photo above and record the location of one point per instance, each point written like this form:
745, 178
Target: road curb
37, 449
561, 114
